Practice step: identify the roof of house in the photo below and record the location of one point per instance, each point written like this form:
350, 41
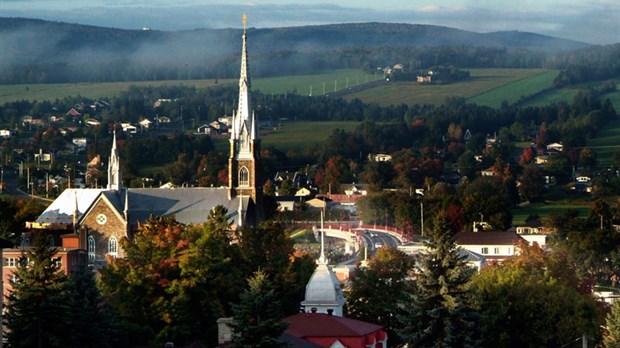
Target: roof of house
325, 325
488, 237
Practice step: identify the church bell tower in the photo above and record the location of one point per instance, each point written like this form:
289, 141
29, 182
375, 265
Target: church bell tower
243, 176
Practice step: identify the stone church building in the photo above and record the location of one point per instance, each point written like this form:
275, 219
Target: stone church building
104, 216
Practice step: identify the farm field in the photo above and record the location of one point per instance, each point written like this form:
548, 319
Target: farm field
492, 86
606, 143
300, 84
315, 84
296, 135
514, 90
40, 92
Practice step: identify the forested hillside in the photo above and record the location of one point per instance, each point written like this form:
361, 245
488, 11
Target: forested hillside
36, 51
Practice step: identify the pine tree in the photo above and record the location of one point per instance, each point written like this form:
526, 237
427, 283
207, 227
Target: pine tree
612, 340
91, 318
38, 305
440, 313
257, 320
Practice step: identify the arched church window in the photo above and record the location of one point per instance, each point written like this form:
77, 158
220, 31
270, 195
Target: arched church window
113, 247
91, 249
244, 177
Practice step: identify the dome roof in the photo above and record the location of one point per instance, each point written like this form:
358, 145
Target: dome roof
323, 288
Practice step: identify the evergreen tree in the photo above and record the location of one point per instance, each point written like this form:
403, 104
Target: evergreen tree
612, 340
91, 318
37, 307
441, 312
257, 320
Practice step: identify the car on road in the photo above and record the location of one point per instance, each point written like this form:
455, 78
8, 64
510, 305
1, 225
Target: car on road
378, 245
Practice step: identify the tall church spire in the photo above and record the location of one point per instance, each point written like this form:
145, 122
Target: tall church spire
114, 167
243, 118
244, 160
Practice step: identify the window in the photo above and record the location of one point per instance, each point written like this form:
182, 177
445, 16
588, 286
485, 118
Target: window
10, 262
485, 251
113, 247
244, 177
496, 251
91, 249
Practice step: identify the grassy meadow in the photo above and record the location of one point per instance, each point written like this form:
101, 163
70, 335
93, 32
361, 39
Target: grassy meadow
315, 84
520, 215
486, 87
40, 92
606, 143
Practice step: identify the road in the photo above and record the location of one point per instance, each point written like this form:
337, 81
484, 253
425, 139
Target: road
375, 240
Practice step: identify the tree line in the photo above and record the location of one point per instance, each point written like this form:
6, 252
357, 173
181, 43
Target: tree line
177, 280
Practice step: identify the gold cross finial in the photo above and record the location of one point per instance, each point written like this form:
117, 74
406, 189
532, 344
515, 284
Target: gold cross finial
245, 20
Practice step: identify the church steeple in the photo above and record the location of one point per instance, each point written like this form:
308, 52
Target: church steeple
114, 167
243, 163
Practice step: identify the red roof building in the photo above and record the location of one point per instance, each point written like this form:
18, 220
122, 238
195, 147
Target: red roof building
327, 330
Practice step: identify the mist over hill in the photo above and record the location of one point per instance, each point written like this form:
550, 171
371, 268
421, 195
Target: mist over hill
44, 51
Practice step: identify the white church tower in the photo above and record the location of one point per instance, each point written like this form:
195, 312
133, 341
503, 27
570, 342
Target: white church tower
114, 168
323, 292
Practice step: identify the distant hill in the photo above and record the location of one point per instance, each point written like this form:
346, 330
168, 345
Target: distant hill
55, 50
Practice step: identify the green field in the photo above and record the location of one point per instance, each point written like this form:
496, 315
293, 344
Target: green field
543, 210
512, 91
315, 84
297, 135
301, 84
40, 92
606, 143
294, 135
486, 87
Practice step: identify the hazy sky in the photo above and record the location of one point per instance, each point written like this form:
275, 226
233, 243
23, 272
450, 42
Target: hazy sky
592, 21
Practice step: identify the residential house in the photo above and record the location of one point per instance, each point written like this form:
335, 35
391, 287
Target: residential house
129, 128
145, 123
380, 157
354, 189
555, 147
5, 133
319, 203
92, 122
80, 143
496, 246
163, 119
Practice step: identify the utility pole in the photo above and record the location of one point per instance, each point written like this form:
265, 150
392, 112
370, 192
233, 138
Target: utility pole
422, 218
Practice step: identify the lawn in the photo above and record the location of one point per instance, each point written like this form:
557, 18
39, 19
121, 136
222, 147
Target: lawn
486, 87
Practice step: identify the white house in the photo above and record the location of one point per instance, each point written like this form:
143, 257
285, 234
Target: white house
5, 133
555, 147
492, 245
129, 128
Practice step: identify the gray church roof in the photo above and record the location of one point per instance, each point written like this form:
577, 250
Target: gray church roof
190, 205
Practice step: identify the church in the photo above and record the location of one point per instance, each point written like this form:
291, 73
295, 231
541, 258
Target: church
103, 216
